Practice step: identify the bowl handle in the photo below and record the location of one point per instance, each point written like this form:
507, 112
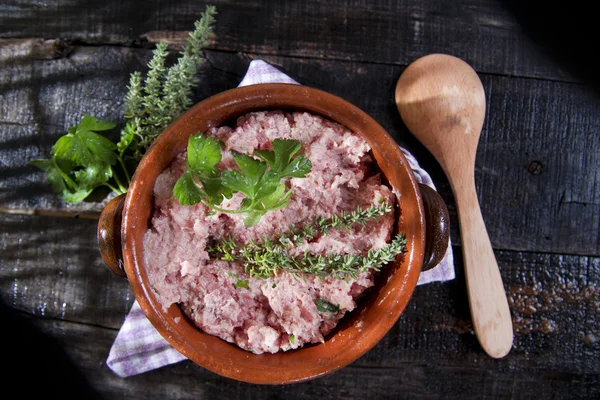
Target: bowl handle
109, 235
437, 227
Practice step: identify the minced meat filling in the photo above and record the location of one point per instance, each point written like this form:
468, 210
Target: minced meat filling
277, 313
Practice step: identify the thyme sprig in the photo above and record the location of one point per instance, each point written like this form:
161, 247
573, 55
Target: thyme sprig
358, 216
271, 255
266, 261
296, 235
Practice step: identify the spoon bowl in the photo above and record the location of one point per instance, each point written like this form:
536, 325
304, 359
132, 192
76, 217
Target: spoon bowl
442, 102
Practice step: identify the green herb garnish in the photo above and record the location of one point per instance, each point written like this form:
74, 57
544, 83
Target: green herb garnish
324, 306
270, 256
260, 181
292, 339
241, 283
155, 102
83, 160
267, 260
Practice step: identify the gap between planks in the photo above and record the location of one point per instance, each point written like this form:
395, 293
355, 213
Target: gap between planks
176, 38
91, 215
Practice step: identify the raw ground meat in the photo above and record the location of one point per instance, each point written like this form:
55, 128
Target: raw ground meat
278, 313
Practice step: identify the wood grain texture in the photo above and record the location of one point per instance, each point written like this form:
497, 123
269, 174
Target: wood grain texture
553, 208
55, 272
537, 178
414, 378
483, 32
41, 99
442, 102
51, 267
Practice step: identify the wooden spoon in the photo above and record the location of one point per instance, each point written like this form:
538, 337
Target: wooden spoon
442, 102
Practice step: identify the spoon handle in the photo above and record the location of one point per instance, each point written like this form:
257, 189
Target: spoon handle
487, 299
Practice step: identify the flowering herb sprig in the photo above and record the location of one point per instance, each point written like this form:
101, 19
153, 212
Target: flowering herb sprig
153, 103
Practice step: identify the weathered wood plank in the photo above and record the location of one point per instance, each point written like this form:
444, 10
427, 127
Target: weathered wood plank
483, 32
420, 377
52, 269
537, 172
41, 99
533, 197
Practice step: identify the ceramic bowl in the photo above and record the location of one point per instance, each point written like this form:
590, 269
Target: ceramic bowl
421, 214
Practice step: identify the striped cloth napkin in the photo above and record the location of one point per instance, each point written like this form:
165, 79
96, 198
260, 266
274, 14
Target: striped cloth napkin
139, 347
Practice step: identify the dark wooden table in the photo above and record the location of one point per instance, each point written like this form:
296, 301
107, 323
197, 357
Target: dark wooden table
537, 174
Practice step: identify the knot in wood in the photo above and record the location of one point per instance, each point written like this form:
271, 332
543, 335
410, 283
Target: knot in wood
535, 168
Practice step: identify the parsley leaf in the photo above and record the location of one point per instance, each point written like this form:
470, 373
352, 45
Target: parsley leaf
215, 190
280, 159
248, 179
77, 195
83, 146
241, 283
203, 154
89, 123
60, 181
53, 176
325, 306
93, 175
186, 190
253, 218
83, 160
260, 181
276, 200
298, 168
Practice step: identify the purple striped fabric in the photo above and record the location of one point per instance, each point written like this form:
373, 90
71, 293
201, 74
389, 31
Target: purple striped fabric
138, 347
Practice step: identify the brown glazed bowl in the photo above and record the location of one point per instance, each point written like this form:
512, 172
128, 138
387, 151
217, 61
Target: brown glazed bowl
421, 214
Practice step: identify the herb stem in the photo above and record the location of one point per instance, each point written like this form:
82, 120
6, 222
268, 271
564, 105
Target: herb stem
114, 189
125, 170
122, 188
65, 176
223, 210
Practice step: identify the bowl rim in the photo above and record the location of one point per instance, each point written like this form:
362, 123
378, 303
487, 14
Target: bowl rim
358, 332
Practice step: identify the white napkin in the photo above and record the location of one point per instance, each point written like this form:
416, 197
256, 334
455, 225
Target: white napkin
139, 347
